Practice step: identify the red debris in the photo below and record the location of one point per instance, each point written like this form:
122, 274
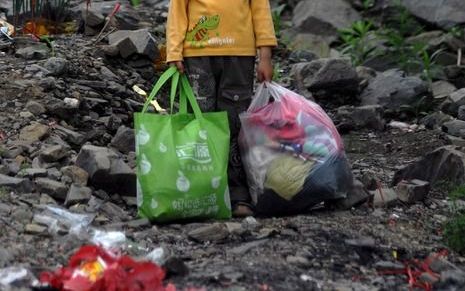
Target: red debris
92, 268
413, 270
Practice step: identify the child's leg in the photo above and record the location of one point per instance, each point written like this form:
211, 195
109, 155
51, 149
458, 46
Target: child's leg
235, 90
203, 79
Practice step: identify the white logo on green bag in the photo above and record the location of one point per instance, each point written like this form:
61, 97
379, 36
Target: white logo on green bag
145, 165
154, 204
216, 182
143, 136
203, 134
182, 183
162, 148
197, 152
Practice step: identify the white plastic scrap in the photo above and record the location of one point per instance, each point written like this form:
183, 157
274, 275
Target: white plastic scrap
11, 275
108, 239
157, 256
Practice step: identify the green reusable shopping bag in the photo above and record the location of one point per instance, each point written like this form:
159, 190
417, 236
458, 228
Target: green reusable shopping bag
182, 158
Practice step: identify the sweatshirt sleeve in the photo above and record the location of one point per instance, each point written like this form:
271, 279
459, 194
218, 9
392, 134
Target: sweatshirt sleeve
176, 28
263, 23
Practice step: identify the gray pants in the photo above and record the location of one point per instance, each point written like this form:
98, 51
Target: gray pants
225, 83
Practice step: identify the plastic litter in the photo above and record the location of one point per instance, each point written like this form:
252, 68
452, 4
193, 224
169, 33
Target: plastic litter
108, 239
60, 220
12, 275
94, 268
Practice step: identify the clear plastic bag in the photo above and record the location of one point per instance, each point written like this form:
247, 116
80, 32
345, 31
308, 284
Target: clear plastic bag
292, 153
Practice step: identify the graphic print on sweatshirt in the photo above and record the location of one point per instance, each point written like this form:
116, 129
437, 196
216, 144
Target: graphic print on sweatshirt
200, 35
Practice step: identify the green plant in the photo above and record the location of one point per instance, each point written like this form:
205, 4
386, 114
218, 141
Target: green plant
277, 72
454, 229
276, 14
359, 41
367, 4
457, 31
428, 63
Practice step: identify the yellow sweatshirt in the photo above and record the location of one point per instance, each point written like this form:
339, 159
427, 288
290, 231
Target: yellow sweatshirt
218, 28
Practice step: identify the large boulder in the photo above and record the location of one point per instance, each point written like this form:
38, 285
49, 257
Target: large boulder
443, 164
107, 170
323, 17
325, 77
392, 89
445, 13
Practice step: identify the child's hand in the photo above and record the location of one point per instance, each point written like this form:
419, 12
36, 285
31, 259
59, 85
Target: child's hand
179, 65
265, 70
265, 67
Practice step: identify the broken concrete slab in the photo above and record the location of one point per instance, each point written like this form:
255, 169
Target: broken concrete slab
412, 191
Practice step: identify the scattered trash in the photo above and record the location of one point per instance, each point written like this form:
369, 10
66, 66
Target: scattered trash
7, 29
60, 220
94, 268
12, 275
403, 126
157, 256
108, 239
154, 102
71, 102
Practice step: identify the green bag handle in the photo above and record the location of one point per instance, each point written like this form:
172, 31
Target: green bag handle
187, 93
160, 82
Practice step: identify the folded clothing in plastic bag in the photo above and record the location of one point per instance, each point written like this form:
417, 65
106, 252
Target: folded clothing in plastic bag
293, 155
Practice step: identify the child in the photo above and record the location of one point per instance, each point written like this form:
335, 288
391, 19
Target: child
215, 42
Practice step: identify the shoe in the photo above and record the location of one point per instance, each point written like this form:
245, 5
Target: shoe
242, 209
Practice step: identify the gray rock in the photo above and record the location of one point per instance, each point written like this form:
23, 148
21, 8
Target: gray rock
456, 141
16, 184
56, 66
126, 18
298, 261
436, 40
131, 42
70, 136
455, 127
368, 116
388, 265
412, 191
34, 132
445, 163
78, 194
33, 228
442, 89
12, 151
78, 175
446, 13
6, 257
22, 215
114, 212
51, 187
35, 52
212, 232
455, 100
461, 112
317, 44
435, 120
392, 89
363, 242
455, 277
124, 140
107, 170
323, 17
92, 17
53, 153
330, 75
35, 108
301, 56
33, 172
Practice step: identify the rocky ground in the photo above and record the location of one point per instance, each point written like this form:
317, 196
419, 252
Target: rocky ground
66, 140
